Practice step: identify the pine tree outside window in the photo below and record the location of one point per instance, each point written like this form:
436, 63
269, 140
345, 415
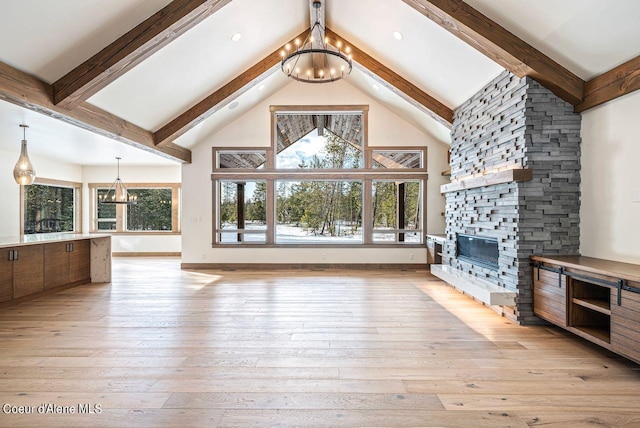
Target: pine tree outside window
320, 183
50, 206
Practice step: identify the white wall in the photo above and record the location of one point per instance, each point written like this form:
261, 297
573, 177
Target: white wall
10, 191
609, 217
134, 174
56, 170
253, 130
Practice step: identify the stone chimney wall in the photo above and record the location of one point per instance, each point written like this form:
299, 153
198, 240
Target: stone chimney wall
515, 123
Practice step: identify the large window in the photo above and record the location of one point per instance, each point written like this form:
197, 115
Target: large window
152, 212
50, 206
319, 183
397, 211
156, 210
242, 215
323, 212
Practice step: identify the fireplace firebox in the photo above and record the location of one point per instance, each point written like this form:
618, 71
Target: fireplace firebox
478, 250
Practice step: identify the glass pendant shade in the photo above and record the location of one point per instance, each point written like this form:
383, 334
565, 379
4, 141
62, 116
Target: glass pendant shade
24, 173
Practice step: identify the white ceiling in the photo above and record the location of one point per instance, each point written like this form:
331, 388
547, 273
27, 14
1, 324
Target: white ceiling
588, 37
428, 56
55, 139
202, 60
50, 38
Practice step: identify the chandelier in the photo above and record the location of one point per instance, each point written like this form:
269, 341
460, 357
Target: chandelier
117, 193
23, 173
314, 60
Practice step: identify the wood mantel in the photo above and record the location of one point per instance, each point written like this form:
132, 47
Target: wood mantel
490, 179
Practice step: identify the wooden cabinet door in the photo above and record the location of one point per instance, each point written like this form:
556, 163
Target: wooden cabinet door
56, 265
550, 297
28, 270
625, 324
80, 261
6, 275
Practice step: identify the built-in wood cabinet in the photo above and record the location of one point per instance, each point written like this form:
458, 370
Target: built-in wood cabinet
80, 261
32, 265
625, 324
28, 270
56, 262
550, 296
596, 299
67, 263
21, 271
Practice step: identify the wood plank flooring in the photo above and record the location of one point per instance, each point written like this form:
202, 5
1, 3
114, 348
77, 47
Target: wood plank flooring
164, 347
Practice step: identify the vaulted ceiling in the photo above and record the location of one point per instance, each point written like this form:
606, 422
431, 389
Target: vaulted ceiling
447, 53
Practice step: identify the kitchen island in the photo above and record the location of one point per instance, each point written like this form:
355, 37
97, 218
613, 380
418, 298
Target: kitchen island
32, 265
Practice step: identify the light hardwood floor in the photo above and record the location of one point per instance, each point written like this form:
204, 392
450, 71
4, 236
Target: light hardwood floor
165, 347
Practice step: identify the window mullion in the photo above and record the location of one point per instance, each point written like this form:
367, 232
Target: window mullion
271, 212
367, 212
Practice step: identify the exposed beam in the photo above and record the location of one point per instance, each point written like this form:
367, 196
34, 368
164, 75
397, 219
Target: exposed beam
220, 98
615, 83
31, 93
132, 48
501, 46
392, 80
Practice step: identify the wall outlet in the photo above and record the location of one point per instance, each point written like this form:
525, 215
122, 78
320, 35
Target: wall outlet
411, 256
636, 196
323, 256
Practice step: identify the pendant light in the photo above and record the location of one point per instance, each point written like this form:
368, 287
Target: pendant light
24, 173
314, 60
117, 193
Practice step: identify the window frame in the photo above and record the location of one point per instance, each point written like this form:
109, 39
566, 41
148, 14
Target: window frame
121, 209
271, 174
77, 201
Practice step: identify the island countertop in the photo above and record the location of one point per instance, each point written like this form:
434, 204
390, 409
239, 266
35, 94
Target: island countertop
44, 238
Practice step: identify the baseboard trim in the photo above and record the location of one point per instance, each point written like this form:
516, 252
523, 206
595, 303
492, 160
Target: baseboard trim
143, 254
306, 266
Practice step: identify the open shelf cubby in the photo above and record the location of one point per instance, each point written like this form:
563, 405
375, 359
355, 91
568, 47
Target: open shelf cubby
590, 309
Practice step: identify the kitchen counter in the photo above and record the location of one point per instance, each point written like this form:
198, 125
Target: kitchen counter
43, 238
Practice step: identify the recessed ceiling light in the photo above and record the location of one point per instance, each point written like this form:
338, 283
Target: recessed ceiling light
398, 35
261, 87
375, 86
233, 105
236, 37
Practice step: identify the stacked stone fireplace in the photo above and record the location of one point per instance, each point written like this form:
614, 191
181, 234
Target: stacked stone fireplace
515, 123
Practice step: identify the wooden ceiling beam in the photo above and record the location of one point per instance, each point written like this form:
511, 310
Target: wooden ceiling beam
615, 83
132, 48
501, 46
27, 91
220, 98
399, 85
